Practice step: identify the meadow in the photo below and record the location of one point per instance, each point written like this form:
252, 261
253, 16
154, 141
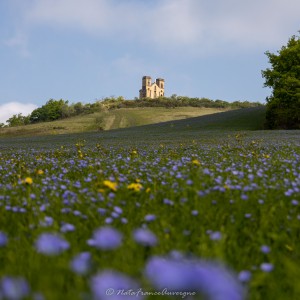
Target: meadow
202, 208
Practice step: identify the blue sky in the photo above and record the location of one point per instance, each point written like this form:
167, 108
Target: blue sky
83, 50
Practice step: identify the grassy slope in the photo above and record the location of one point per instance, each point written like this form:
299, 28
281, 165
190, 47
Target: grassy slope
215, 126
119, 118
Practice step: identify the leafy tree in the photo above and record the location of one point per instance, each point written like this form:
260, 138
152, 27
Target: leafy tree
18, 120
52, 110
283, 106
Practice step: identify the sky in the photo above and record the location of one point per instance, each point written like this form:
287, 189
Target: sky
86, 50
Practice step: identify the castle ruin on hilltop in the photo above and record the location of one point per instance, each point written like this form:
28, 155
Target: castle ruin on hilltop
152, 90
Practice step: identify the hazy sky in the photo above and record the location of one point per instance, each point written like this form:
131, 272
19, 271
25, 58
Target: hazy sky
83, 50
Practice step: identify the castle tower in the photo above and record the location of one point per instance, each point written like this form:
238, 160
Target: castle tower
152, 90
145, 92
161, 83
146, 81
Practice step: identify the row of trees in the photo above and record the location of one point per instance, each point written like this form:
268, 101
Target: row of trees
53, 110
61, 109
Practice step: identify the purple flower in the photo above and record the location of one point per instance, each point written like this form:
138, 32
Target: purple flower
208, 278
51, 244
265, 249
244, 276
67, 227
118, 210
150, 218
106, 238
109, 220
81, 263
266, 267
145, 237
215, 236
295, 202
124, 220
3, 239
48, 221
244, 197
168, 202
14, 288
112, 285
195, 212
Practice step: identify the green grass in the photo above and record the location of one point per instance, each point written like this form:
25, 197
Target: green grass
107, 120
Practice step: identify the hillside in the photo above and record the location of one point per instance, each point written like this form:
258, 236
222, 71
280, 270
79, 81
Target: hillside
209, 128
107, 120
218, 124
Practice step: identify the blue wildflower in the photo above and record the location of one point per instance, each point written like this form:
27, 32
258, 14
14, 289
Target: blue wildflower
150, 218
51, 244
106, 238
145, 237
265, 249
112, 285
208, 278
267, 267
244, 276
67, 227
295, 202
14, 288
3, 239
215, 236
81, 263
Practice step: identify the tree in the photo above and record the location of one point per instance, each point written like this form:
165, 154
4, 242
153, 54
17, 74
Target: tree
18, 120
283, 106
52, 110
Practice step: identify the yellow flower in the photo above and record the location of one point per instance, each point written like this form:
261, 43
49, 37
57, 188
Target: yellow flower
110, 184
28, 180
196, 162
40, 172
148, 190
135, 187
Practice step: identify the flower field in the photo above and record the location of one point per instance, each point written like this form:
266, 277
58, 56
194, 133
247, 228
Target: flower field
197, 219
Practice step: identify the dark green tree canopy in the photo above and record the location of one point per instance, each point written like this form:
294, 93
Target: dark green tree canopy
283, 106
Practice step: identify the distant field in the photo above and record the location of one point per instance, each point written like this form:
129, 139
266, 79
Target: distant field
113, 119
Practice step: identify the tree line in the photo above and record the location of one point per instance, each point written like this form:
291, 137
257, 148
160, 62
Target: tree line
61, 109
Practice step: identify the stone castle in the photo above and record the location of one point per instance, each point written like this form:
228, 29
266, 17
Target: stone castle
152, 90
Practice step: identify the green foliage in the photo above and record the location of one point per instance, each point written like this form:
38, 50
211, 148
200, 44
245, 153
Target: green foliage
283, 106
17, 120
176, 101
52, 110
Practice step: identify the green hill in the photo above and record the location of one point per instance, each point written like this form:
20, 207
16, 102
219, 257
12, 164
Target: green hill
107, 120
209, 128
218, 125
